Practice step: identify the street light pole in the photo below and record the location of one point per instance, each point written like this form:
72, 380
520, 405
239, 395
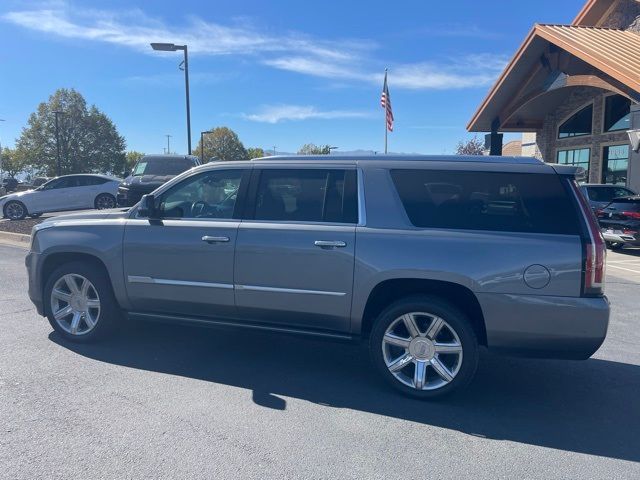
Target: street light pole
202, 134
58, 165
1, 120
331, 148
168, 144
171, 47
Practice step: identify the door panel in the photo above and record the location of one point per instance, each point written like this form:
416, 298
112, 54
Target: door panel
169, 268
282, 276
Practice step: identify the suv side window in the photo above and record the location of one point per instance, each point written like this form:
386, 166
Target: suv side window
307, 195
492, 201
211, 194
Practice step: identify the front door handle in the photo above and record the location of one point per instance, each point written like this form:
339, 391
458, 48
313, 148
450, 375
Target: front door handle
210, 239
329, 244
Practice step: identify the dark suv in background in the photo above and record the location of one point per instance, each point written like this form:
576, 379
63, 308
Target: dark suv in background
620, 222
150, 172
600, 196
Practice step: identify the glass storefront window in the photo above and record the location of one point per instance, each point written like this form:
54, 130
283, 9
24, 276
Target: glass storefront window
615, 161
616, 113
578, 157
579, 124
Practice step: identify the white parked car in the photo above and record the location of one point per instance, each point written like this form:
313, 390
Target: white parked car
69, 192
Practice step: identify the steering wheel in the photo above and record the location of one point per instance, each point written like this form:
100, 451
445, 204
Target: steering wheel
199, 208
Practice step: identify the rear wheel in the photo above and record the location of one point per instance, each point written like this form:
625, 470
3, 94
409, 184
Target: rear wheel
104, 201
15, 210
424, 347
80, 302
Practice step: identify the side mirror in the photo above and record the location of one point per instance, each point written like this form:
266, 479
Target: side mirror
147, 207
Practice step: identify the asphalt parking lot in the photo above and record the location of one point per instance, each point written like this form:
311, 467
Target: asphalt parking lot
167, 402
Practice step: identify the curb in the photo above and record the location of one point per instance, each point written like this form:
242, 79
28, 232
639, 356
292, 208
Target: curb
15, 239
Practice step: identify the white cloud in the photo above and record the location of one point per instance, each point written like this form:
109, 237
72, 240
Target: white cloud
278, 113
345, 60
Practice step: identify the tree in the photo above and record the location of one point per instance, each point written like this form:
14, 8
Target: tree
131, 158
312, 149
470, 147
13, 163
223, 144
89, 141
255, 152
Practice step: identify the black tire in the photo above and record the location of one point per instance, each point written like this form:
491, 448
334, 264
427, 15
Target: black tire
104, 201
35, 215
109, 314
455, 319
12, 208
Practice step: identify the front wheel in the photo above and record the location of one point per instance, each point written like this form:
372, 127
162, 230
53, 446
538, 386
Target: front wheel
80, 302
424, 347
15, 210
104, 201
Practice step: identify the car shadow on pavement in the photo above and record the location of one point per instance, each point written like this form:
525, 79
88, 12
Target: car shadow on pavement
588, 407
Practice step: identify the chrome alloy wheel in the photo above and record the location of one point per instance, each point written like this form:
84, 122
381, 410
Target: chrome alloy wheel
422, 351
75, 304
14, 210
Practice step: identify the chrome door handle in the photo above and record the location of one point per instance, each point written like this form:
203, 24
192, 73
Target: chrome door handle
210, 239
329, 244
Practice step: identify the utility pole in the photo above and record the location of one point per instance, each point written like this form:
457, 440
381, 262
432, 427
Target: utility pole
58, 165
168, 144
274, 150
1, 120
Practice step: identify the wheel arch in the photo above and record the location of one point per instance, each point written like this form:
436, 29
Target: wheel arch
390, 290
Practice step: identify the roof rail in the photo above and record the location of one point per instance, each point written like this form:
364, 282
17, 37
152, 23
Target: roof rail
403, 158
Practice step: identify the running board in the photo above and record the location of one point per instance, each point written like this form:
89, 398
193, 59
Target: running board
217, 323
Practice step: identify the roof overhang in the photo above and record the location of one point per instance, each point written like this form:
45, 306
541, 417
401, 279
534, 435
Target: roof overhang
552, 59
593, 12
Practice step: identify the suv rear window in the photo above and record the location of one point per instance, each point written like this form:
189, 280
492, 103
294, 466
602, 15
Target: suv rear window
606, 194
307, 195
493, 201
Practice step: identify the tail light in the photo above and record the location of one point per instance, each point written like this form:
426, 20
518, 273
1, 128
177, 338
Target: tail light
635, 215
594, 249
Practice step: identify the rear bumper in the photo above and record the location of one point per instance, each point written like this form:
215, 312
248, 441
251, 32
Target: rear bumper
621, 238
33, 262
545, 326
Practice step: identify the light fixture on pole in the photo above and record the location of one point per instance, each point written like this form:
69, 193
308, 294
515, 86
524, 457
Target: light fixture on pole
331, 148
202, 134
171, 47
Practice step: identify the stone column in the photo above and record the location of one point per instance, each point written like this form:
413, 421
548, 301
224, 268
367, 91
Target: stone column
633, 173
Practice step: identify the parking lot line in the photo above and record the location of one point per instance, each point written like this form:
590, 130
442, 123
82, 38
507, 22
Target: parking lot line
622, 268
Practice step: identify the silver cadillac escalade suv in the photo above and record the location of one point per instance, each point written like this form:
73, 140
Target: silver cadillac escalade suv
425, 258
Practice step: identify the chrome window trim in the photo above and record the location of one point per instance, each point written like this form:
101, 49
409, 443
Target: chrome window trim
182, 283
257, 288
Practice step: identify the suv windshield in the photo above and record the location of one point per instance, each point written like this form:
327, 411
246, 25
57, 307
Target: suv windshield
161, 166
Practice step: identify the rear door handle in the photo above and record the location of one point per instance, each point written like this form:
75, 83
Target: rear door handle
329, 243
210, 239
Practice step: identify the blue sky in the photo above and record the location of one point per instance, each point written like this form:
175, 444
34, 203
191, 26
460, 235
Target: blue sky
278, 72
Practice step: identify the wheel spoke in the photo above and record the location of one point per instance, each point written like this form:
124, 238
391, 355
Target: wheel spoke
75, 322
84, 288
420, 375
93, 303
88, 320
60, 314
60, 295
400, 362
434, 328
411, 325
397, 341
448, 347
71, 284
441, 370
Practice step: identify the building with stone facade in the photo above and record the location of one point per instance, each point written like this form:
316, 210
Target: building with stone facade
574, 92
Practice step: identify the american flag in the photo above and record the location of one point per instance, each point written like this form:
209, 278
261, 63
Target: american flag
385, 102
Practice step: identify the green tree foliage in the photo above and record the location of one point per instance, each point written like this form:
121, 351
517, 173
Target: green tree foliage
131, 158
312, 149
255, 152
470, 147
222, 144
89, 141
13, 163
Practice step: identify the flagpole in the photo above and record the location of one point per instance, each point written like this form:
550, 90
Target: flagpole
385, 119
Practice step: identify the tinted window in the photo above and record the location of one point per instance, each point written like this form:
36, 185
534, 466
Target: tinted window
85, 181
579, 124
616, 113
606, 194
62, 182
162, 166
514, 202
209, 195
307, 196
